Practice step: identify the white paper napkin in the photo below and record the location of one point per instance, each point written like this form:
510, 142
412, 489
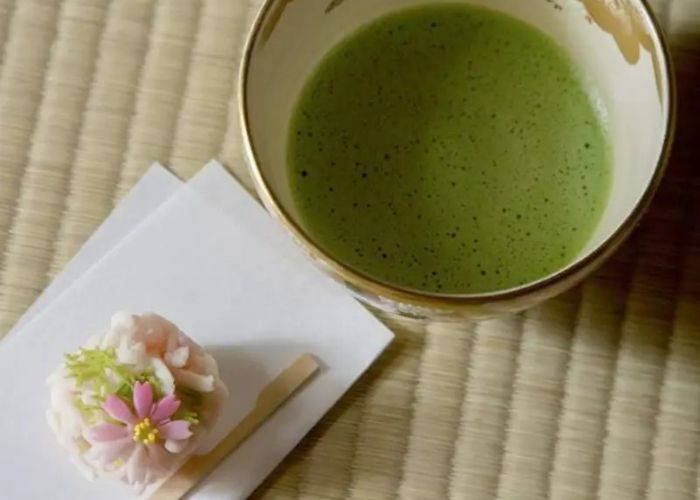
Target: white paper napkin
211, 260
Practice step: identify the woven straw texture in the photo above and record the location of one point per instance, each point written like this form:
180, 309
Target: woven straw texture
593, 394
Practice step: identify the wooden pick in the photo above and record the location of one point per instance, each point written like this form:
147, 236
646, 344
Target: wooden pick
270, 399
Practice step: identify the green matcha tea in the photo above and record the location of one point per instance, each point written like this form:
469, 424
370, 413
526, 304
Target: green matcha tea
450, 149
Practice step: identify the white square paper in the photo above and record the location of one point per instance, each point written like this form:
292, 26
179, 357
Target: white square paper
229, 277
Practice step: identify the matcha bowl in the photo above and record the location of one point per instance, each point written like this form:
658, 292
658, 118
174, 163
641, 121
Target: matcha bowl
623, 61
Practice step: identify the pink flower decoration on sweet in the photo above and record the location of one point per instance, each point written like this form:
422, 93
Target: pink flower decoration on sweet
140, 439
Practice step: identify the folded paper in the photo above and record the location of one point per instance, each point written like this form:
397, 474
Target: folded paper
222, 270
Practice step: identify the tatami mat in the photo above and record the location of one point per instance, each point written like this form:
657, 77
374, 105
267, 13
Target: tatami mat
593, 394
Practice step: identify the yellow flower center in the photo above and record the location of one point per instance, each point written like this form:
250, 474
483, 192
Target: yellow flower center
145, 432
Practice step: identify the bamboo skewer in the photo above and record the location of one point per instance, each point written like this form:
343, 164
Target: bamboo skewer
271, 398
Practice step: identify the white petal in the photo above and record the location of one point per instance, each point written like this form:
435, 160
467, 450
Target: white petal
136, 466
123, 322
164, 375
110, 339
159, 463
178, 357
175, 446
104, 454
131, 353
192, 380
172, 341
66, 420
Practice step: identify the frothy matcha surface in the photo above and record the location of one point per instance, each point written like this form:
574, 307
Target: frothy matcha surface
451, 149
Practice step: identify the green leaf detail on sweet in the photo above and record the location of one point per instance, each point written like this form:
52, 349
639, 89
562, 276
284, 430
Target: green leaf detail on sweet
126, 389
92, 414
93, 365
100, 367
189, 397
185, 414
99, 370
189, 400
